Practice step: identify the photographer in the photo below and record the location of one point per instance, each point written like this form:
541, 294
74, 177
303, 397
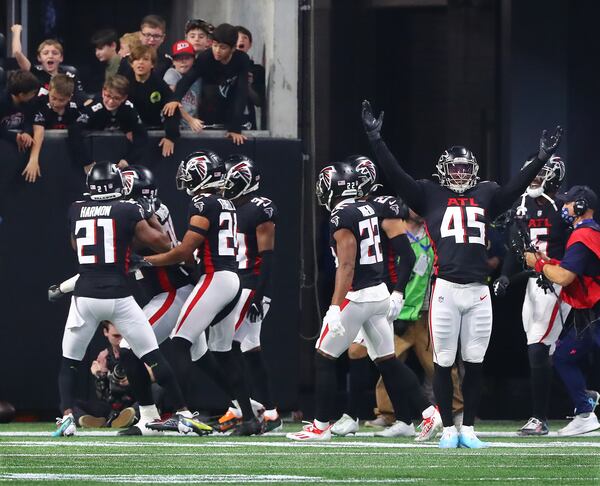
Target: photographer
113, 404
578, 273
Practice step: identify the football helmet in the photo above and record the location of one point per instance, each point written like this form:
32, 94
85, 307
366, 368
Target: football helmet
200, 171
367, 174
457, 169
242, 176
548, 179
140, 184
105, 181
336, 180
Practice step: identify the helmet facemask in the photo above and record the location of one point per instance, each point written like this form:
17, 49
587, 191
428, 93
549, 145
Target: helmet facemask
457, 173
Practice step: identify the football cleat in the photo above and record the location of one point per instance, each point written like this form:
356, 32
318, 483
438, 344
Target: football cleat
581, 424
229, 420
310, 432
272, 423
398, 429
449, 438
344, 426
65, 426
468, 440
139, 429
182, 424
534, 427
431, 424
247, 428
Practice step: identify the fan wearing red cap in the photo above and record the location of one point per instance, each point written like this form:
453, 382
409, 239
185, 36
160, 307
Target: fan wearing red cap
183, 58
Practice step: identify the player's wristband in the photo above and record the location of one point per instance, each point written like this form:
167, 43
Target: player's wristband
197, 229
540, 264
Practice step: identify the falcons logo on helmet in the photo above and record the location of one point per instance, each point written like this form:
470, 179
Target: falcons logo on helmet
199, 163
367, 168
243, 170
326, 174
129, 177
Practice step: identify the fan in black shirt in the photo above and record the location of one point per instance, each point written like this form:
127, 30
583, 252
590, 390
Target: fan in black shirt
149, 93
224, 73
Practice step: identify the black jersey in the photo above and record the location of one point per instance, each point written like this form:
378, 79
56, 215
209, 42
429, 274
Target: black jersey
545, 226
51, 120
218, 250
156, 280
44, 79
360, 217
103, 231
388, 207
249, 216
14, 117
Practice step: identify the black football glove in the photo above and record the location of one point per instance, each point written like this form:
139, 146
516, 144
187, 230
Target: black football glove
147, 205
54, 293
136, 262
255, 312
401, 326
371, 124
548, 145
500, 285
543, 283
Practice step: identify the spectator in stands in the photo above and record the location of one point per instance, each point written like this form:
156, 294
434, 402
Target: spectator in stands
149, 93
152, 33
198, 33
50, 57
56, 111
224, 73
256, 82
127, 42
112, 406
109, 111
105, 41
183, 59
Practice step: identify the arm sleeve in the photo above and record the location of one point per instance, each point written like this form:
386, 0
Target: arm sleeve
404, 185
264, 276
240, 98
506, 195
405, 260
171, 123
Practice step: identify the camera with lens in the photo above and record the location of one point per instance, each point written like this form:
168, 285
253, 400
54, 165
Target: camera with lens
116, 389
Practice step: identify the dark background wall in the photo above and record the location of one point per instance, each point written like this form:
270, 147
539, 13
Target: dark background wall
35, 252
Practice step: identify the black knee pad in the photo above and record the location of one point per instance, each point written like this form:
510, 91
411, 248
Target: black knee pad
539, 355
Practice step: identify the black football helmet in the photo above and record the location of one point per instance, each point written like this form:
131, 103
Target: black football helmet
242, 176
139, 183
457, 169
548, 179
105, 181
335, 181
367, 174
200, 171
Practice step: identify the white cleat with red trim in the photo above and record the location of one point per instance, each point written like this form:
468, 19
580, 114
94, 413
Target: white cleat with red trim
310, 433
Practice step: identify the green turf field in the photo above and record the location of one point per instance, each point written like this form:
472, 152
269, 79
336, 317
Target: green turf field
29, 455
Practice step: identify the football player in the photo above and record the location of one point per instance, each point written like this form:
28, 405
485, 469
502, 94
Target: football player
212, 233
538, 215
256, 217
360, 300
457, 212
102, 233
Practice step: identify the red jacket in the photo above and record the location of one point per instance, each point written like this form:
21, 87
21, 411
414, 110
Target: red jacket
584, 291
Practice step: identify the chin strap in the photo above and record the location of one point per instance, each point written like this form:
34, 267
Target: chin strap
522, 209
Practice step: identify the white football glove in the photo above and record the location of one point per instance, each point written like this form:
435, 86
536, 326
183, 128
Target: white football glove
396, 304
333, 319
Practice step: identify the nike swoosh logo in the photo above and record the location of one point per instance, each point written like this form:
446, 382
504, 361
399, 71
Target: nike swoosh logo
482, 297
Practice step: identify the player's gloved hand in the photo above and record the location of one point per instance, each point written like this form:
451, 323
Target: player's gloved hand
333, 320
136, 262
255, 311
372, 125
396, 304
54, 293
549, 144
543, 283
147, 205
500, 285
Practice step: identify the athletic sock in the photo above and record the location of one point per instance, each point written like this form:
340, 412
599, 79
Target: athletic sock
541, 379
360, 382
138, 377
471, 388
260, 379
394, 374
325, 388
442, 389
233, 373
165, 377
67, 382
208, 364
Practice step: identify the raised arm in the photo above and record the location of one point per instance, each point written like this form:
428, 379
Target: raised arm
17, 50
403, 184
507, 194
